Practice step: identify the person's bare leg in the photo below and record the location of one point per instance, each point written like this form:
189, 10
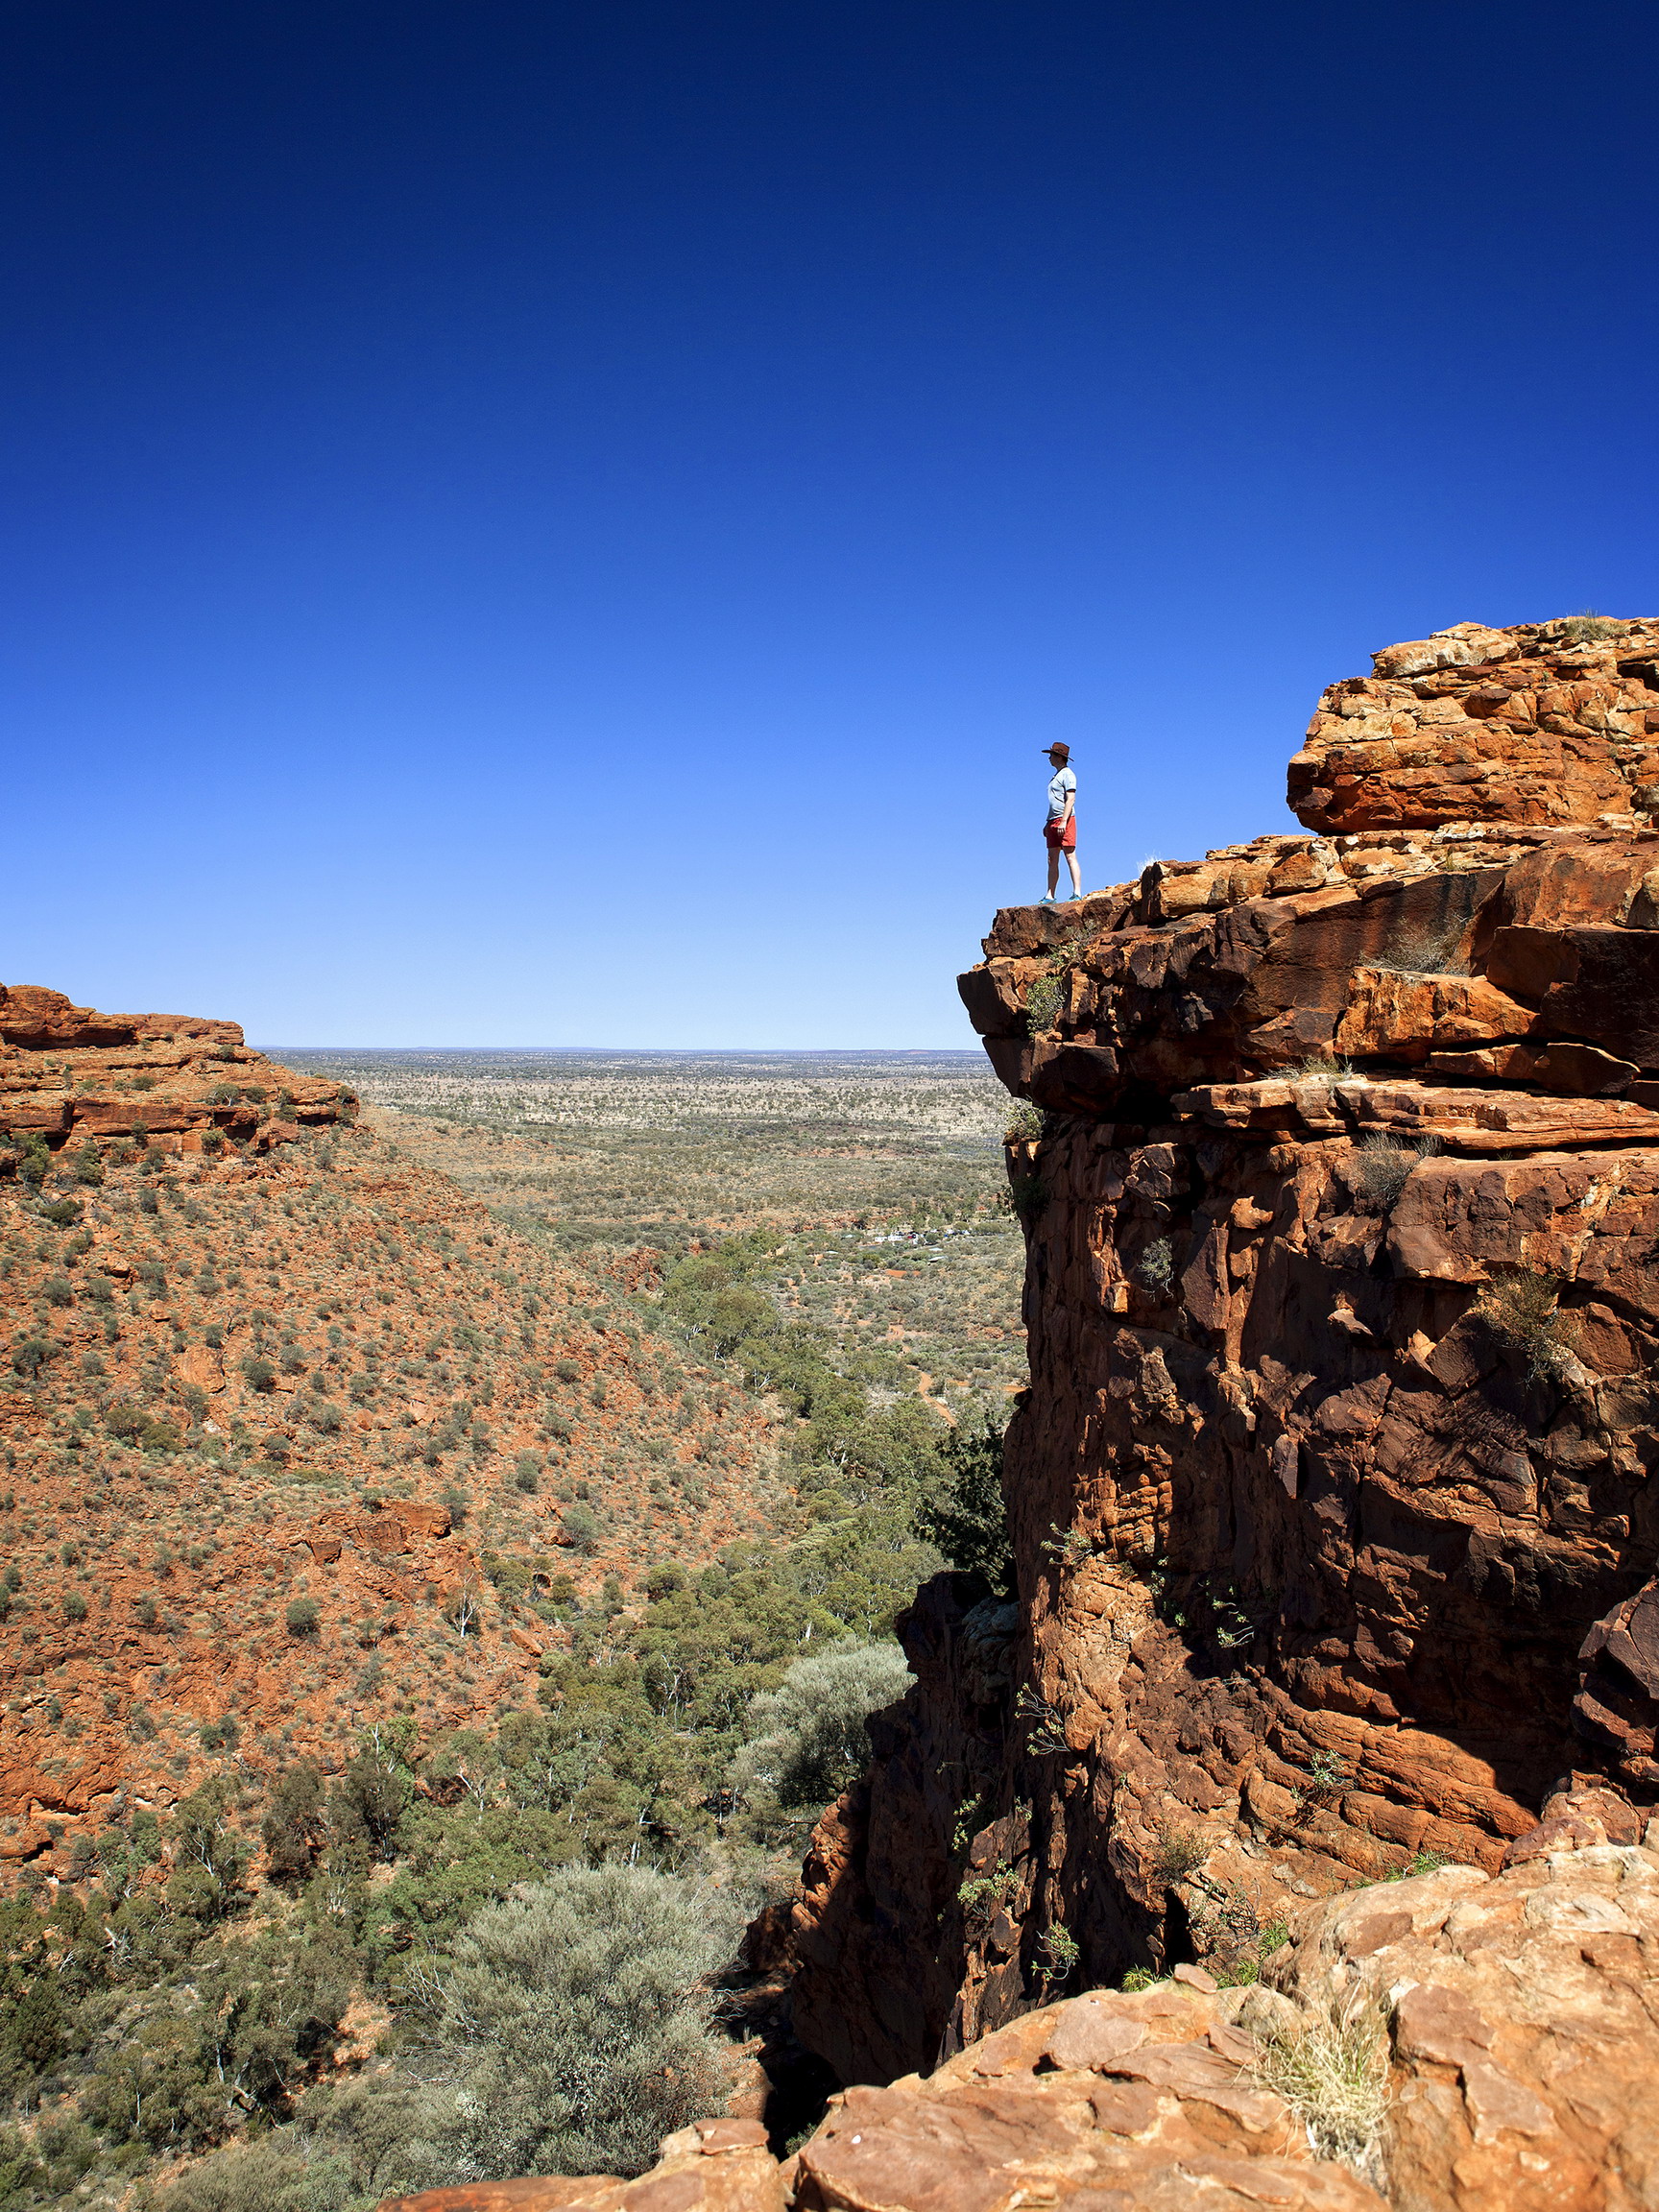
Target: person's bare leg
1053, 869
1076, 878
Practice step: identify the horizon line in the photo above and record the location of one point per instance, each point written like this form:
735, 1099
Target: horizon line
683, 1051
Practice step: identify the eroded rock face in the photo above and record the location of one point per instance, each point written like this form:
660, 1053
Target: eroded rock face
1553, 722
1331, 1496
67, 1072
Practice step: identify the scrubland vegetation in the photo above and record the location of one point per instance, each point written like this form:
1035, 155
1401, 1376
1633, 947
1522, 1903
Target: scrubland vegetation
447, 1883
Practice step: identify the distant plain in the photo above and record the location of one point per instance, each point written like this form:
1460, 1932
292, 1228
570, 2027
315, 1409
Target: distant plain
835, 1153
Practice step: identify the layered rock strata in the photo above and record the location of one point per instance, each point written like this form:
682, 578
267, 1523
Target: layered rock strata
172, 1079
1331, 1496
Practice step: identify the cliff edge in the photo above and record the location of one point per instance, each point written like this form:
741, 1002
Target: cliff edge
1330, 1495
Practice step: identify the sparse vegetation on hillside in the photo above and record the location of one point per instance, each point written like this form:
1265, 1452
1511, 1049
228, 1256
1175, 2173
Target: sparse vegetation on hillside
690, 1478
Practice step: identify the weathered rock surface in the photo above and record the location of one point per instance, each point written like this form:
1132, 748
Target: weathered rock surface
1546, 722
1331, 1496
68, 1071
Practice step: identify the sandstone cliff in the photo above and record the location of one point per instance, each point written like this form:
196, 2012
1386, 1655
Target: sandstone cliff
1326, 1705
1331, 1493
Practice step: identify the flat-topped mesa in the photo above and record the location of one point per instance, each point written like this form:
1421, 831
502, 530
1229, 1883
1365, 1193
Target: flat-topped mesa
175, 1081
1544, 723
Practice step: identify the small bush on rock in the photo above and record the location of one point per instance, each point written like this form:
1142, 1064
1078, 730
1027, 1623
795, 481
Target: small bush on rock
1382, 1167
1523, 1312
1042, 1006
583, 1526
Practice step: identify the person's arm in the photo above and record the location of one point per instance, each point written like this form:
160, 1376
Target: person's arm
1070, 802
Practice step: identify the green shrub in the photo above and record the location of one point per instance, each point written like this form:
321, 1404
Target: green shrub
30, 1353
74, 1605
1042, 1006
88, 1167
964, 1514
259, 1374
62, 1213
302, 1616
808, 1737
36, 1161
294, 1831
570, 2028
285, 2174
583, 1526
58, 1291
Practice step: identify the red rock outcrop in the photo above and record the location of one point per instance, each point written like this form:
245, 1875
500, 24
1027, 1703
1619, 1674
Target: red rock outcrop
1330, 1496
1553, 722
68, 1071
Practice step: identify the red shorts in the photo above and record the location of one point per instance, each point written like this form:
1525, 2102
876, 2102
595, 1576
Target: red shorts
1062, 837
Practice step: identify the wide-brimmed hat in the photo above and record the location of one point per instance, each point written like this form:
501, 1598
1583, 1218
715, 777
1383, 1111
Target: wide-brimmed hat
1064, 751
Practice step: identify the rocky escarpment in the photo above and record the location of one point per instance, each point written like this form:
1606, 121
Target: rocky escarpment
1331, 1494
254, 1357
187, 1083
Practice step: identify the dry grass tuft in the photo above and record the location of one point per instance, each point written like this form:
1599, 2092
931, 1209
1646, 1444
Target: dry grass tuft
1382, 1165
1332, 2072
1421, 953
1181, 1852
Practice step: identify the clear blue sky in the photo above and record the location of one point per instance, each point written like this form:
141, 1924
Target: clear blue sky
570, 524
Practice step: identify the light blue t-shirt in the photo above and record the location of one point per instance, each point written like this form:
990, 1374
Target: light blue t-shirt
1064, 784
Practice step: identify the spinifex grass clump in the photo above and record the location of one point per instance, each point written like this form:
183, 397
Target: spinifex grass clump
1382, 1165
1523, 1310
1421, 953
1332, 2072
1181, 1851
1590, 628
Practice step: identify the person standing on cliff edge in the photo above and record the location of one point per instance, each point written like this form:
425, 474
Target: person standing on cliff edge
1060, 832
